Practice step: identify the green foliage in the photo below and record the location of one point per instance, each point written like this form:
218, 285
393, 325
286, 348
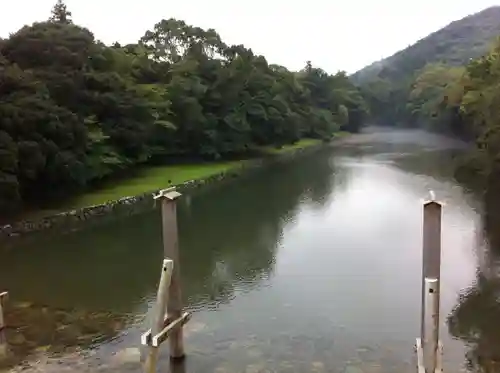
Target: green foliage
387, 84
74, 111
60, 13
447, 82
465, 101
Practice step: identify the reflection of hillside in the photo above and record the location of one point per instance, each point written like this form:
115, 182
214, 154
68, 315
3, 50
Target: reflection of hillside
104, 267
476, 318
229, 235
412, 158
233, 232
437, 164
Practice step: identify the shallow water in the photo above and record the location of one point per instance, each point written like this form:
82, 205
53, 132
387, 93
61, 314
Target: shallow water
312, 266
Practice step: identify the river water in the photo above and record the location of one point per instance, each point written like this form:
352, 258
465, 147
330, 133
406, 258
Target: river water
310, 266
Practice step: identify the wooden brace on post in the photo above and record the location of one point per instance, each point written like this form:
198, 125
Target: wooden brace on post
148, 339
169, 292
162, 324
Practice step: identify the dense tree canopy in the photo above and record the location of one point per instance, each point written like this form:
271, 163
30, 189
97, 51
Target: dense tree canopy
465, 101
447, 82
387, 84
74, 111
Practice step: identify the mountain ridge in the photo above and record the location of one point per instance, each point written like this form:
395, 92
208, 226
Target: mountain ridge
475, 33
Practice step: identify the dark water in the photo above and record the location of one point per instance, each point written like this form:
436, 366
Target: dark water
313, 266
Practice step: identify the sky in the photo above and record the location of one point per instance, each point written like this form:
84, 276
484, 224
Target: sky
334, 35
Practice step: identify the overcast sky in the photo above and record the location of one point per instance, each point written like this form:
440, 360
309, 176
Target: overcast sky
333, 34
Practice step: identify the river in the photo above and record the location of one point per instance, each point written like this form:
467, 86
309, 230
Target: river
309, 266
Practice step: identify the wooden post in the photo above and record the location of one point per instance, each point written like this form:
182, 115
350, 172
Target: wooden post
171, 250
431, 343
429, 348
159, 317
169, 290
177, 366
431, 253
4, 348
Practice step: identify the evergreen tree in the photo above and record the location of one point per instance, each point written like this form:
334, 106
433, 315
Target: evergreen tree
60, 13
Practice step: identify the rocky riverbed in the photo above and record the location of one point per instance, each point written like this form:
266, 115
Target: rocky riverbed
37, 332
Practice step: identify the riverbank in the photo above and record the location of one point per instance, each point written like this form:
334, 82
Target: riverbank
132, 194
154, 178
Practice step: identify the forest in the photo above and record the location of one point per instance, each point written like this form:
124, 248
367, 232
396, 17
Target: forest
387, 84
465, 100
74, 111
448, 82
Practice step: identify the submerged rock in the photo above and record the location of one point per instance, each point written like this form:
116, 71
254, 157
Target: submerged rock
130, 355
352, 369
255, 368
318, 366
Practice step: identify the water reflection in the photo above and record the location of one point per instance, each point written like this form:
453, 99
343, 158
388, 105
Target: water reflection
476, 318
311, 266
228, 236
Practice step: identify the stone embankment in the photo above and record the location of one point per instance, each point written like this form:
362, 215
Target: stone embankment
71, 220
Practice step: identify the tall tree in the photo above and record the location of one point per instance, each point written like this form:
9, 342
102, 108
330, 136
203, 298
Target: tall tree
60, 13
74, 111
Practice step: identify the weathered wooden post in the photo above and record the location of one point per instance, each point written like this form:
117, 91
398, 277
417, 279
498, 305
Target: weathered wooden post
168, 198
171, 300
177, 366
431, 253
428, 345
159, 317
4, 348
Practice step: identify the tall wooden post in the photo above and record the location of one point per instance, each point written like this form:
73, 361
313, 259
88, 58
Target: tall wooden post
428, 345
169, 291
4, 348
431, 253
171, 251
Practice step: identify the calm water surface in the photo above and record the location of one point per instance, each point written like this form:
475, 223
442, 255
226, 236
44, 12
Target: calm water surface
313, 266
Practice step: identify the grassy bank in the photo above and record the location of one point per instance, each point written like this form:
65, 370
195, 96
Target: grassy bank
304, 143
152, 178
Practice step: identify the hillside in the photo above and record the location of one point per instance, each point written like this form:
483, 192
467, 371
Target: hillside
386, 83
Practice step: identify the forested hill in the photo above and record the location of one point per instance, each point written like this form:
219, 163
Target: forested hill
386, 84
74, 111
456, 99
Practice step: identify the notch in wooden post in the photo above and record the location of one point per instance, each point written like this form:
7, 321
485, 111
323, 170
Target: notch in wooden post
168, 199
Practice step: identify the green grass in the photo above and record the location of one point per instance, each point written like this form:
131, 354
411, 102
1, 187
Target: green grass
304, 143
151, 179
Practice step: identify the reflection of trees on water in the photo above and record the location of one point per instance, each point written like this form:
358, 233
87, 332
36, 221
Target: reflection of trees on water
476, 317
437, 164
324, 177
229, 235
